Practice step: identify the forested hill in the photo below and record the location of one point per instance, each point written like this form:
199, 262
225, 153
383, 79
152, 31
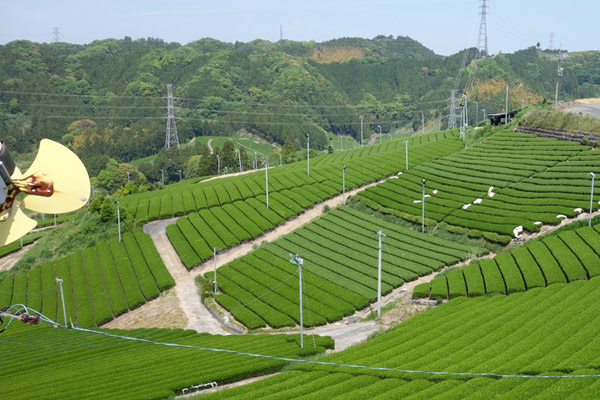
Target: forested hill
108, 98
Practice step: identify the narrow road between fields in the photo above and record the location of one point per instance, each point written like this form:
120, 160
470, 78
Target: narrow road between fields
198, 317
288, 226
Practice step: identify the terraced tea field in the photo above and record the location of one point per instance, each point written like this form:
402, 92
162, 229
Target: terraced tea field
99, 283
566, 257
507, 181
498, 347
340, 269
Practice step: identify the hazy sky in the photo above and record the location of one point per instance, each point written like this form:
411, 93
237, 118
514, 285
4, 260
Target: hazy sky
445, 26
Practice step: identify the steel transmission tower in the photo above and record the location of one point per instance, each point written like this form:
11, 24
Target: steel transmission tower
482, 41
56, 34
452, 118
172, 138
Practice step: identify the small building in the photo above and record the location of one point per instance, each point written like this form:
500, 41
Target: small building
498, 119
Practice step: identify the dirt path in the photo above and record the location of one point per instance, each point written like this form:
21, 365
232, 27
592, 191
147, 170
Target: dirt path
209, 145
289, 226
9, 260
545, 229
197, 316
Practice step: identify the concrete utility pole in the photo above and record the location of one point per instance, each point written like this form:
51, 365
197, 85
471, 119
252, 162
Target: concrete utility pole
266, 163
406, 156
381, 234
171, 138
162, 177
299, 261
215, 270
218, 164
591, 199
361, 131
506, 108
62, 297
423, 212
119, 219
559, 73
344, 184
423, 122
307, 154
466, 120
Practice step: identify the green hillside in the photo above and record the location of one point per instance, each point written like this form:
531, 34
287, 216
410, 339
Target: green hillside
107, 99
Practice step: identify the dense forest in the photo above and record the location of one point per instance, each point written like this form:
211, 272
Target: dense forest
107, 100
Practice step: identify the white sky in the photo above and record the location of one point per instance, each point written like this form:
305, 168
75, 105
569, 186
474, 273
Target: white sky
445, 26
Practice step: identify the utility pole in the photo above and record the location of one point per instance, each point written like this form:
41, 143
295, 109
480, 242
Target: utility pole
380, 135
551, 41
307, 154
255, 161
62, 297
119, 218
280, 33
299, 261
215, 270
423, 122
476, 112
466, 120
267, 180
218, 165
406, 156
344, 184
591, 199
361, 131
559, 73
381, 234
171, 138
506, 108
423, 212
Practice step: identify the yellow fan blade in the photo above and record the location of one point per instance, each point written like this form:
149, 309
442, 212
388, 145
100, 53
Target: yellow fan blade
15, 226
71, 180
17, 173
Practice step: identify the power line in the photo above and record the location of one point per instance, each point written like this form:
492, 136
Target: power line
47, 320
162, 98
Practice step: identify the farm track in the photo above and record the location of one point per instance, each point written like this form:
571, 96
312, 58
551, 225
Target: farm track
198, 317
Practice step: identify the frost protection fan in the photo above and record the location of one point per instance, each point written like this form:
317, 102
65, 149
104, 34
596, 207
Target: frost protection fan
57, 182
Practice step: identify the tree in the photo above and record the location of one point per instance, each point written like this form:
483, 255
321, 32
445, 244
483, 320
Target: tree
108, 211
288, 147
